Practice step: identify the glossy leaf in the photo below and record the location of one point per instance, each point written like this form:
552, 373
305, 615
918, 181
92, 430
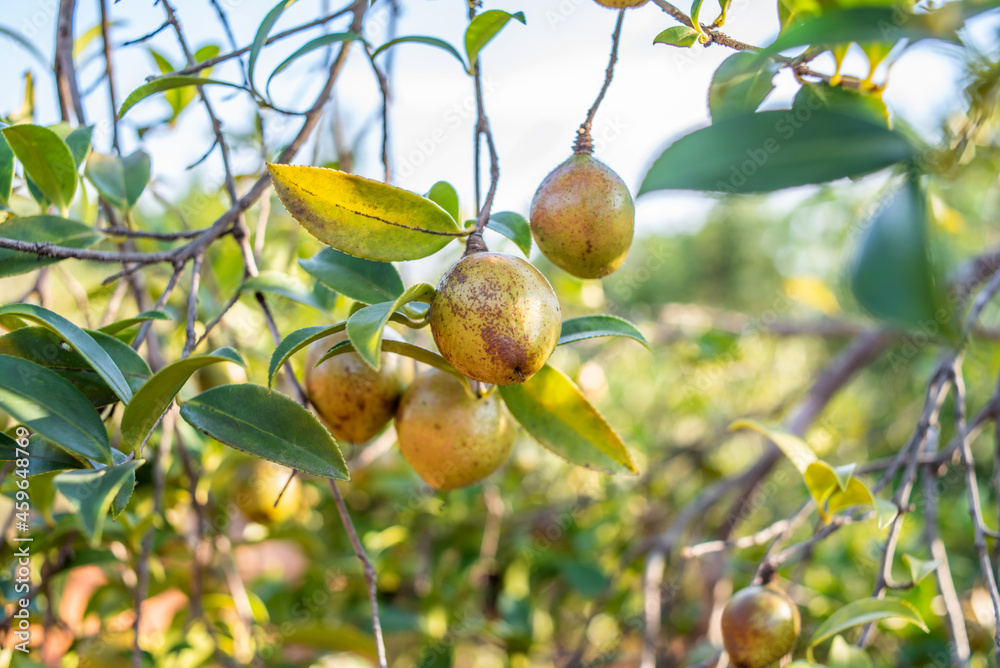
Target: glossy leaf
772, 150
405, 349
793, 447
121, 499
42, 229
420, 39
79, 340
366, 326
740, 85
90, 494
267, 424
154, 398
356, 278
855, 494
593, 326
119, 180
43, 346
6, 171
167, 83
484, 28
553, 410
280, 283
891, 275
121, 325
866, 24
78, 142
309, 47
682, 36
260, 37
919, 568
47, 161
296, 341
514, 227
45, 402
865, 611
445, 196
362, 217
43, 455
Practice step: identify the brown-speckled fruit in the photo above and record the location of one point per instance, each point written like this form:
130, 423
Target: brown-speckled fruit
451, 439
583, 217
259, 487
759, 626
495, 318
621, 4
354, 401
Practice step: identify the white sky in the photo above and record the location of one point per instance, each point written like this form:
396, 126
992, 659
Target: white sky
545, 76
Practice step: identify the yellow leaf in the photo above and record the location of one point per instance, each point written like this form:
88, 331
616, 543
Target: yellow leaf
812, 292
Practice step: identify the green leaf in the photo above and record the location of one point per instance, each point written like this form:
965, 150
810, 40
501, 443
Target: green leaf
920, 569
885, 512
260, 38
366, 326
121, 325
772, 150
119, 180
362, 217
865, 611
41, 229
47, 161
47, 403
43, 455
45, 347
164, 84
296, 341
514, 227
891, 276
867, 24
813, 96
740, 85
364, 281
280, 283
6, 171
90, 494
677, 36
154, 398
407, 350
592, 326
311, 46
445, 196
78, 142
845, 655
484, 28
82, 342
553, 410
793, 447
267, 424
420, 39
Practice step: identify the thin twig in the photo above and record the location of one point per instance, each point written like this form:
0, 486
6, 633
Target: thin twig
584, 144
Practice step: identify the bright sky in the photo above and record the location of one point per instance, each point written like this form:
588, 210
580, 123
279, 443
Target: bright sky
541, 79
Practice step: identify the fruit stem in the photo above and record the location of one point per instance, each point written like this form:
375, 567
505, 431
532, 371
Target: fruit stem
475, 244
584, 144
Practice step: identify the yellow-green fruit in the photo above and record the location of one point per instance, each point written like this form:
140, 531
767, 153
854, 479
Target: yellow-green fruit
355, 401
495, 318
583, 217
451, 439
760, 624
621, 4
259, 487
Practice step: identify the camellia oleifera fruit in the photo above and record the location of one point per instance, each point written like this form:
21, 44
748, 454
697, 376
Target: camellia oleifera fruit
583, 217
760, 624
495, 318
354, 401
450, 438
621, 4
259, 487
